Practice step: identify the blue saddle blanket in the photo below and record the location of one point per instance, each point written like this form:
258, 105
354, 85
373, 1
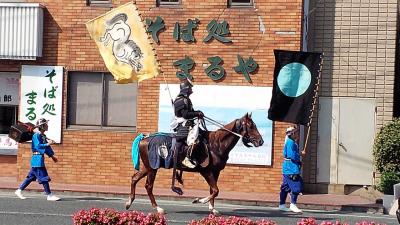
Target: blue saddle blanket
160, 150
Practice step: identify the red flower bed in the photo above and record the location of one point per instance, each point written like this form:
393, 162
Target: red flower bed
213, 220
112, 217
312, 221
96, 216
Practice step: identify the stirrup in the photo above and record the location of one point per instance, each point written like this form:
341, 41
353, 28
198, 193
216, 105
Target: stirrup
186, 162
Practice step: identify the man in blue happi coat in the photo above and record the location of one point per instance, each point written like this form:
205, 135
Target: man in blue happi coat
40, 147
292, 182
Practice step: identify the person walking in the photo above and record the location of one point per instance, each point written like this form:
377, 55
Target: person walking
292, 182
38, 171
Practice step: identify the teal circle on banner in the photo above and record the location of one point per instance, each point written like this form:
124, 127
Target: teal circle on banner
294, 79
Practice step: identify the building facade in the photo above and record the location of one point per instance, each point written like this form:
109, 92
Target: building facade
358, 89
97, 132
356, 92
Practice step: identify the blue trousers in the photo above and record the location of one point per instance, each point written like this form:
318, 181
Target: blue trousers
291, 184
39, 173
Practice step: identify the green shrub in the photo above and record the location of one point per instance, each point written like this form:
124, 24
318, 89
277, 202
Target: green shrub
387, 148
388, 179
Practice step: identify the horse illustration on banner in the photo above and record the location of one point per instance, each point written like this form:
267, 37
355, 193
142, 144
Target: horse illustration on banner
123, 49
124, 45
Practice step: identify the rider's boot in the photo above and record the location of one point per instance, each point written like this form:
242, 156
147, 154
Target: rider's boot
177, 190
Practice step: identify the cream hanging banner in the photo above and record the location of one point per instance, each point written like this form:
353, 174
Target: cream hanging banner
124, 45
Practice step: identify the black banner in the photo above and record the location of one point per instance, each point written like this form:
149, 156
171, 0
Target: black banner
296, 77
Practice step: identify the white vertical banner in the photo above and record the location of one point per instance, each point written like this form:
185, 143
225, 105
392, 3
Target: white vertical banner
41, 97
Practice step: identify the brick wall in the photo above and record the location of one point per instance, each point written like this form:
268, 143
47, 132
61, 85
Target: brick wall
103, 157
358, 40
8, 165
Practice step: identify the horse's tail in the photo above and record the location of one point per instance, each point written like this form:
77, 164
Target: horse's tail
136, 152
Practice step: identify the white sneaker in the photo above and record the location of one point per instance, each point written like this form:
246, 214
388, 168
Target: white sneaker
18, 193
294, 208
52, 197
186, 162
283, 208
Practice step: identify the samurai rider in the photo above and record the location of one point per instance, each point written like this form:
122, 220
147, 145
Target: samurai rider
185, 114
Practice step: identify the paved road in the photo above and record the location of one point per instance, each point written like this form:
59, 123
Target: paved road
37, 211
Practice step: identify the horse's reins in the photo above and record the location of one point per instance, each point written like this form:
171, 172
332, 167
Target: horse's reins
221, 126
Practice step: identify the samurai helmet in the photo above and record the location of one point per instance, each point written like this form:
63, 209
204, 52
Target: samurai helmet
186, 87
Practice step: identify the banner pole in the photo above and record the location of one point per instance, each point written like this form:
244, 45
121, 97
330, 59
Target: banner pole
313, 105
305, 144
165, 81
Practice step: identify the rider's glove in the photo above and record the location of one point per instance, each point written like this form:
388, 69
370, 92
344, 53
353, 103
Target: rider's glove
200, 114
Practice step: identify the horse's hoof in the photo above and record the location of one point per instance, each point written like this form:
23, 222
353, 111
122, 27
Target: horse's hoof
215, 212
196, 200
128, 203
177, 190
160, 210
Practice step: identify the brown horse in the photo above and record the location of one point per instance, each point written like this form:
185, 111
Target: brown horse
220, 143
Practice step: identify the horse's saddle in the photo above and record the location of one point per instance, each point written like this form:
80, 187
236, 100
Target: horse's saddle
161, 151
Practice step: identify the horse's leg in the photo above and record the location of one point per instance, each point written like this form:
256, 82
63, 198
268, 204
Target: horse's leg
209, 177
211, 202
149, 188
135, 178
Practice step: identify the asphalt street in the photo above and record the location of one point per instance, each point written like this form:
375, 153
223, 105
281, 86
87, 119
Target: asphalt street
36, 210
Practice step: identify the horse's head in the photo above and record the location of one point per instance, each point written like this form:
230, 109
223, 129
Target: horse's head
248, 129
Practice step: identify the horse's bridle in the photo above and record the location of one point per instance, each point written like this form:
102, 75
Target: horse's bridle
245, 137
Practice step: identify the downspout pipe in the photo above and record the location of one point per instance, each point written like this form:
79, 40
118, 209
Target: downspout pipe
396, 94
304, 26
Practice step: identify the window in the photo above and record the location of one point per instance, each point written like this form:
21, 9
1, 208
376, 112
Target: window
95, 101
9, 100
239, 3
168, 2
104, 3
8, 117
